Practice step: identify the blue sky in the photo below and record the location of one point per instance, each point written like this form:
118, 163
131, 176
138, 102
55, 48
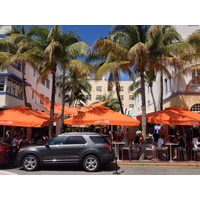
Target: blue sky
88, 33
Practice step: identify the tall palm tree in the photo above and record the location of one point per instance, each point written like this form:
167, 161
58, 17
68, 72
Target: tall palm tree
151, 47
111, 59
133, 38
51, 48
16, 44
73, 48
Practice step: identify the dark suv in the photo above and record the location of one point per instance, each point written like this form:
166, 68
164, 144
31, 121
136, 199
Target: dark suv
87, 149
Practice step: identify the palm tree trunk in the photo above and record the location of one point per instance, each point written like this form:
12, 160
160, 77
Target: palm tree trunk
23, 84
72, 95
161, 90
143, 146
118, 96
153, 98
63, 100
52, 102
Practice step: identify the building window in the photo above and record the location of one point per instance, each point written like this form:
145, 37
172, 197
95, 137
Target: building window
170, 84
148, 102
19, 66
32, 95
14, 88
2, 82
33, 72
99, 88
98, 97
131, 97
165, 85
195, 108
122, 97
148, 90
88, 97
131, 105
47, 83
121, 88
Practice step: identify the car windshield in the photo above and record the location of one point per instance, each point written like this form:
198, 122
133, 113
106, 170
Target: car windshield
57, 140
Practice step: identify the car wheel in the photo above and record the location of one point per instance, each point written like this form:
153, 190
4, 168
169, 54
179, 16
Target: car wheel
91, 163
30, 163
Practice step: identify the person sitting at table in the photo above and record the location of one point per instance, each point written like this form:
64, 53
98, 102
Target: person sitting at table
161, 145
181, 145
195, 142
160, 141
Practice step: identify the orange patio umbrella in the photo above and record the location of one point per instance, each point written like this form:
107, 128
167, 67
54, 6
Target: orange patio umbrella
24, 116
101, 116
174, 115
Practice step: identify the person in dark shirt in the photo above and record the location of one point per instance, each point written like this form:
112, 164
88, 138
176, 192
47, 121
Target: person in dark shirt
181, 145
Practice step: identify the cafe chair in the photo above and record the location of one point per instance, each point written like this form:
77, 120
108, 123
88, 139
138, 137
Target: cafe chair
134, 149
162, 153
126, 149
181, 154
195, 152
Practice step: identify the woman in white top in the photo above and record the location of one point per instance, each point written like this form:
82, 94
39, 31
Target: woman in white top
195, 142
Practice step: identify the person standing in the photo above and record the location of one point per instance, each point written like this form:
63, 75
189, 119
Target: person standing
15, 142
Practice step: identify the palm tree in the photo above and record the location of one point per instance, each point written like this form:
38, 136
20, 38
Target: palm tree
110, 58
112, 103
73, 48
150, 77
76, 85
16, 44
133, 38
165, 45
154, 48
51, 48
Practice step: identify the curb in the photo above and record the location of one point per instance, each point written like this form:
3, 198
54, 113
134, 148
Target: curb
152, 163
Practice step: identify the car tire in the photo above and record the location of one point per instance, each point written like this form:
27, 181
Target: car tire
91, 163
30, 163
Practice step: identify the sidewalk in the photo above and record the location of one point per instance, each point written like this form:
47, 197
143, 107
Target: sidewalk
153, 161
156, 162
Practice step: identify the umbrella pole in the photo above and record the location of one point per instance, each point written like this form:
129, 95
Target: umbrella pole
4, 132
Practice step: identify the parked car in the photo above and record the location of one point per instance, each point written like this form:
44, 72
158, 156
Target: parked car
7, 153
87, 149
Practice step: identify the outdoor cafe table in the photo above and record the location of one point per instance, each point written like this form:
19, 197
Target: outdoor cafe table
170, 144
116, 148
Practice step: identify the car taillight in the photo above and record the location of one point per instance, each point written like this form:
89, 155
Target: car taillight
107, 146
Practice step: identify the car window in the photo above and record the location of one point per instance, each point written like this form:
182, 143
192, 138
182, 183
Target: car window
76, 140
57, 140
99, 139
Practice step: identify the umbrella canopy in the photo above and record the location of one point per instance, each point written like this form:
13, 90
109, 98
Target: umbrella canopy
102, 115
24, 116
173, 115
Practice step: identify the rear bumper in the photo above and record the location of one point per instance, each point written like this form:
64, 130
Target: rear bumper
107, 158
